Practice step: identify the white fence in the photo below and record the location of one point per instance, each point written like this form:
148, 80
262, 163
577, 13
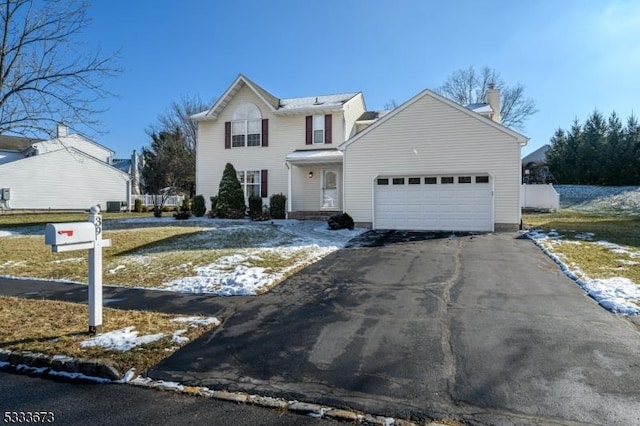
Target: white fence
539, 197
148, 199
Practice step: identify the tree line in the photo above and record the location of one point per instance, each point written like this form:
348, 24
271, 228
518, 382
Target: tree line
600, 152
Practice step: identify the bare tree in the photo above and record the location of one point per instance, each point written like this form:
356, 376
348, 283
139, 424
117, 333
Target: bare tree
467, 86
177, 116
45, 77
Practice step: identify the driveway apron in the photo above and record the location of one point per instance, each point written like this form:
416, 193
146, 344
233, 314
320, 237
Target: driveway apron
481, 328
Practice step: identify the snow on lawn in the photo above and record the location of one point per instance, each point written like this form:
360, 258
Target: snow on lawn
617, 294
127, 338
306, 242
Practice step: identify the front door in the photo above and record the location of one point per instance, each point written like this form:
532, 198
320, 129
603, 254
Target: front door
330, 195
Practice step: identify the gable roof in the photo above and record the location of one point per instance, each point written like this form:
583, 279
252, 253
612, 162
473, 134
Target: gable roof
276, 105
518, 136
16, 143
537, 156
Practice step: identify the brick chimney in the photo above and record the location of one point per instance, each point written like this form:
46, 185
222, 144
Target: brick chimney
493, 99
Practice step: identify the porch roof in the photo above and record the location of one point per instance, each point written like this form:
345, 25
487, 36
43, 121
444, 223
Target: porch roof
315, 156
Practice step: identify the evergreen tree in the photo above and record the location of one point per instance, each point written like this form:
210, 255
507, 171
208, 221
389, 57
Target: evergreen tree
230, 202
631, 138
557, 156
589, 156
614, 153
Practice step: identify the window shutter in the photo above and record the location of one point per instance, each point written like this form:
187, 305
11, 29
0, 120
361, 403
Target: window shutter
327, 128
227, 135
309, 133
265, 132
264, 191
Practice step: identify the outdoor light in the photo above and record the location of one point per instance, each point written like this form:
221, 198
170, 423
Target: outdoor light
310, 175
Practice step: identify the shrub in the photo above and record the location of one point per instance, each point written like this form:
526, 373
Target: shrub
278, 206
214, 204
198, 207
185, 210
255, 206
137, 205
340, 221
230, 195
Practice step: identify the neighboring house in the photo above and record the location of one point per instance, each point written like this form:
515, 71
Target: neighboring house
69, 172
534, 167
429, 164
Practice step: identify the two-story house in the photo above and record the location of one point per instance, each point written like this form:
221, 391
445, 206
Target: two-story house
428, 164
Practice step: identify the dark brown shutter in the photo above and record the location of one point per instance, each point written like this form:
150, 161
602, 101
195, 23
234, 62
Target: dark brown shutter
309, 133
264, 191
265, 132
227, 135
327, 128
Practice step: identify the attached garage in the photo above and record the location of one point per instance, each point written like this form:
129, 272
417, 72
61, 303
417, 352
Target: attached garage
438, 203
431, 164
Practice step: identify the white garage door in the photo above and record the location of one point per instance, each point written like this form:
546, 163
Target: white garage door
435, 203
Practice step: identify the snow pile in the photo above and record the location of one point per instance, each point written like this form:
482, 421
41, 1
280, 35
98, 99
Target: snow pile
623, 199
617, 294
120, 340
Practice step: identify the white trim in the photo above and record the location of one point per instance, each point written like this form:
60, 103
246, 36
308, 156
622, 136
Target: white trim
336, 171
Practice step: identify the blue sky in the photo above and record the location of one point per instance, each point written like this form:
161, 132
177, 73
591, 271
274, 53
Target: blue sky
572, 56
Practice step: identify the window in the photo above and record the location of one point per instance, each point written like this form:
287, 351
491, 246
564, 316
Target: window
318, 129
464, 179
383, 181
250, 182
482, 179
246, 126
398, 181
414, 181
446, 179
431, 180
246, 133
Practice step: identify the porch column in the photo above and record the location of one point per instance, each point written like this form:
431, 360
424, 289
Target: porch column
289, 200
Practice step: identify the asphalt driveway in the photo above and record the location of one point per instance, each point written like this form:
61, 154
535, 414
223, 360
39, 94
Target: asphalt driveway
481, 328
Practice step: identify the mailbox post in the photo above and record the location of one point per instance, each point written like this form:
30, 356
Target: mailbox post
83, 236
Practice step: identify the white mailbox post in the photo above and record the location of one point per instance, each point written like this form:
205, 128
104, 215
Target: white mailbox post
83, 236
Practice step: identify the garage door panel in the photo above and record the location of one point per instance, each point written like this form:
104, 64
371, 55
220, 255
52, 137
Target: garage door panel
448, 207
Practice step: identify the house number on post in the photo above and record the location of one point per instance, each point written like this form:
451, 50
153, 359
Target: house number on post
83, 236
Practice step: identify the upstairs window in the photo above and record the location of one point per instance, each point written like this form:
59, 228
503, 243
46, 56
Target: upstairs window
247, 128
318, 129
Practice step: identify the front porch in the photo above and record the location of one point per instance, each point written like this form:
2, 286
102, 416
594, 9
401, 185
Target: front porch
314, 183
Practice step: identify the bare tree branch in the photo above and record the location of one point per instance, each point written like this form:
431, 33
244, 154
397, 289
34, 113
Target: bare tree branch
466, 86
45, 77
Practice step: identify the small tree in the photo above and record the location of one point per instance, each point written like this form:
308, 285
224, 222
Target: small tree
277, 206
230, 203
255, 206
198, 207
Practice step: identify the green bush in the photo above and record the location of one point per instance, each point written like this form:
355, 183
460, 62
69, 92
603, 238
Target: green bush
185, 210
230, 195
198, 207
278, 206
214, 204
137, 205
340, 221
255, 206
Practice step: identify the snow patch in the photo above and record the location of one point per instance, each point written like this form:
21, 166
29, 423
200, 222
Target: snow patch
121, 340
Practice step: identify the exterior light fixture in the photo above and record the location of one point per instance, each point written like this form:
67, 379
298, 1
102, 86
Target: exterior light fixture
310, 175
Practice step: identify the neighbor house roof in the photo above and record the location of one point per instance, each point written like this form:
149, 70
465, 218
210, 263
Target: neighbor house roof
16, 143
481, 108
122, 164
276, 105
537, 156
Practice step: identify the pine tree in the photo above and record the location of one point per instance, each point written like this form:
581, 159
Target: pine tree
230, 203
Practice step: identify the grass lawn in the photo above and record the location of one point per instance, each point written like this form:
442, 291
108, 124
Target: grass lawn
581, 243
58, 328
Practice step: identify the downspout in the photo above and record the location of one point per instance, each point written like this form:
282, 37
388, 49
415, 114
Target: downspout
289, 201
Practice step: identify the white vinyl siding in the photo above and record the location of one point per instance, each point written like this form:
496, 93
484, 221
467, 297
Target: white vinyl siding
430, 137
63, 179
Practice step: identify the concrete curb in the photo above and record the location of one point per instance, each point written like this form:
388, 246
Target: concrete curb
58, 365
299, 407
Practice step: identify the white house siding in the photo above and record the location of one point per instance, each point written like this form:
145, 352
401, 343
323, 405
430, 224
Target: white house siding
286, 134
64, 179
432, 137
352, 111
78, 142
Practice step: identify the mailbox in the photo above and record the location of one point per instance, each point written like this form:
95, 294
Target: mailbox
60, 234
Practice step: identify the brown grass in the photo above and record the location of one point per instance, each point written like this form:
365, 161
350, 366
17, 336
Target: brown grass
57, 328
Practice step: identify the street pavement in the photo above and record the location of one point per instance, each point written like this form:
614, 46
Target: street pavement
484, 329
